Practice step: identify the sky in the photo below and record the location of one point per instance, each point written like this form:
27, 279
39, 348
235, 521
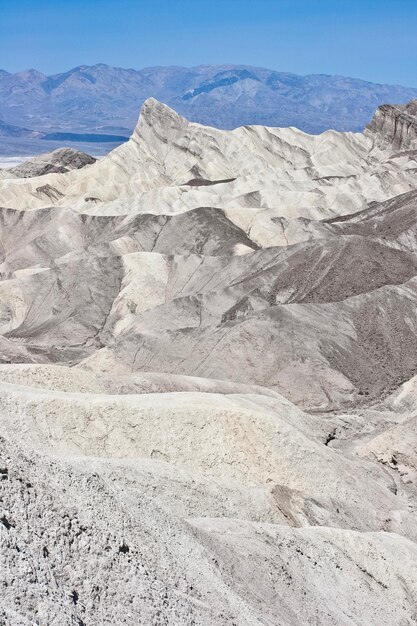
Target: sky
371, 39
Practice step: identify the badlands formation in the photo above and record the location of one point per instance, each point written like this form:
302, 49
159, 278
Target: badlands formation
208, 379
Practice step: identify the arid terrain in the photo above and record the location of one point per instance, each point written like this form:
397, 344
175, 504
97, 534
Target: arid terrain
208, 378
95, 107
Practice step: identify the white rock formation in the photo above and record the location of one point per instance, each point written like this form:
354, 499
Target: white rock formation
208, 346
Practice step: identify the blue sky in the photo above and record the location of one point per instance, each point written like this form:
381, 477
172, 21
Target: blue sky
374, 40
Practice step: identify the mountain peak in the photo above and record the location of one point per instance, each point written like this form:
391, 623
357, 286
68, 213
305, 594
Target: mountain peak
159, 118
152, 107
30, 74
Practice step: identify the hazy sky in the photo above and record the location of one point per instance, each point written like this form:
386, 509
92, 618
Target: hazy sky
371, 39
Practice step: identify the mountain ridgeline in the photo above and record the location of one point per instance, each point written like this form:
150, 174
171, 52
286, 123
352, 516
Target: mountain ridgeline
104, 99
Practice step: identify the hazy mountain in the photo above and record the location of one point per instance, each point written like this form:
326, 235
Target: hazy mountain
106, 99
13, 131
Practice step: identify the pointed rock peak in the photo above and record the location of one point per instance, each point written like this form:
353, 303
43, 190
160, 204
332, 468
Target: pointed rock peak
152, 105
160, 118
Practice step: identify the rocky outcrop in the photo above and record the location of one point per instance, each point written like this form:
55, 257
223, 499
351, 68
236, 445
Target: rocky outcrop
395, 125
57, 162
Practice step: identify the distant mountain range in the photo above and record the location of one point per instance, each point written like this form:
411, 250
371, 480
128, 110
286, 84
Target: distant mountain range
103, 100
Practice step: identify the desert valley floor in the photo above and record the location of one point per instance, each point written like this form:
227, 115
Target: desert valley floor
208, 378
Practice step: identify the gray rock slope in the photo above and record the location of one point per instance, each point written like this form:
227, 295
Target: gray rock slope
208, 359
395, 124
59, 161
